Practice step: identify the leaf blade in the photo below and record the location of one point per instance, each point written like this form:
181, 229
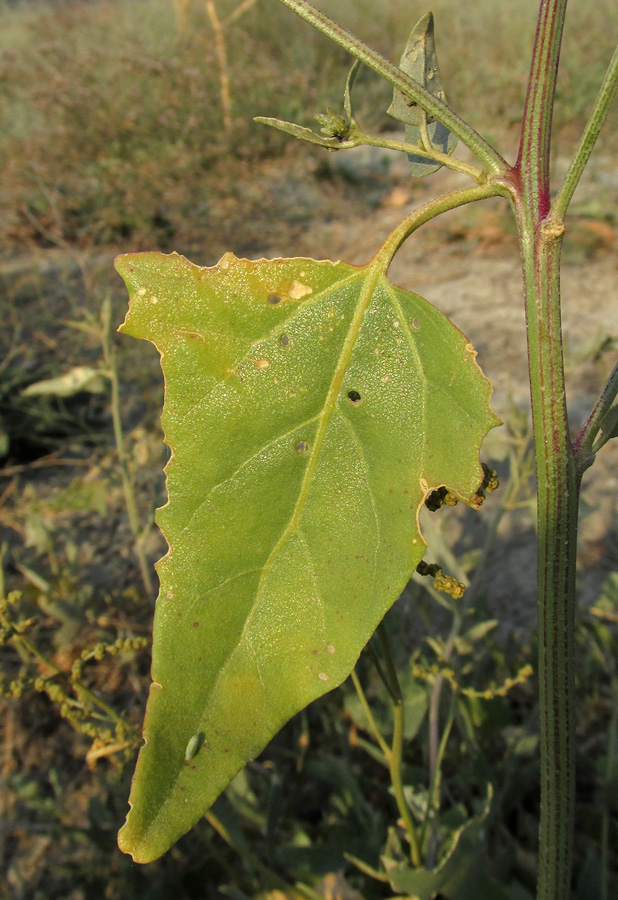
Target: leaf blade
265, 604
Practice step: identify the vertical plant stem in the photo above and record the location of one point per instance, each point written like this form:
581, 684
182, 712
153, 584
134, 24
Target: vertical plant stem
558, 500
558, 483
224, 74
109, 357
395, 758
610, 764
433, 794
386, 750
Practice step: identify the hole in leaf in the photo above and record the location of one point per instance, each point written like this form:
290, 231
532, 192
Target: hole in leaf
273, 299
355, 397
284, 340
415, 323
302, 447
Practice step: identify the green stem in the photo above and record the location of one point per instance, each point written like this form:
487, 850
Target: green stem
395, 758
375, 659
584, 444
433, 794
558, 500
429, 152
109, 356
598, 115
533, 159
408, 86
558, 482
386, 750
429, 211
612, 750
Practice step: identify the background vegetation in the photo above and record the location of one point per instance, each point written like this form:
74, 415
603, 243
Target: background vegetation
112, 139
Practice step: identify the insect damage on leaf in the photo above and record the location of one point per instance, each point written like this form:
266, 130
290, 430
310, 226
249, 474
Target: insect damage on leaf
310, 407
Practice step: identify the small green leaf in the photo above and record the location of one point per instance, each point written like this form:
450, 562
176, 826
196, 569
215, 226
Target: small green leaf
303, 134
420, 61
310, 407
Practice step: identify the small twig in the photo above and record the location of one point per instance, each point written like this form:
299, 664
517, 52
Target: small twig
240, 10
221, 51
109, 356
410, 88
386, 750
396, 755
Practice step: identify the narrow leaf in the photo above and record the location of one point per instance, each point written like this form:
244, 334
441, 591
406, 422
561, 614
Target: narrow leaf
310, 407
420, 61
298, 131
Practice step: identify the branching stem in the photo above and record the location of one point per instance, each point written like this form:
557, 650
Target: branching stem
584, 445
429, 152
591, 132
408, 86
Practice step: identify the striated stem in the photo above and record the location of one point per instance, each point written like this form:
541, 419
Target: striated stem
558, 481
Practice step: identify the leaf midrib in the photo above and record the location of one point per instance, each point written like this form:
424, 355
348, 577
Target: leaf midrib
371, 275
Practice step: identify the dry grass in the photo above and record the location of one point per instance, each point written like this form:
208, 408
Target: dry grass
111, 128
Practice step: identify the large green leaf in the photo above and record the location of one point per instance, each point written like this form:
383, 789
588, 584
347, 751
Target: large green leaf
310, 407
